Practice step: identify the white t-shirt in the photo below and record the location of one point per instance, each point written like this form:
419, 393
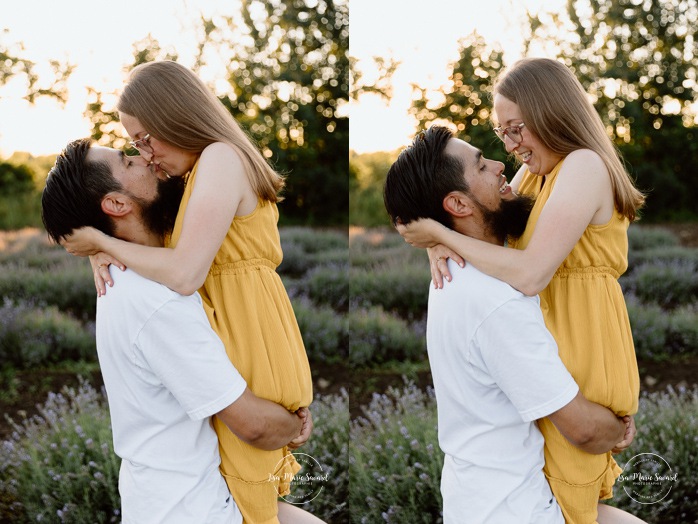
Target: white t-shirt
496, 370
166, 373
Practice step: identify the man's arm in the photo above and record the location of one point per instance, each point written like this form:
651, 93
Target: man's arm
261, 423
589, 426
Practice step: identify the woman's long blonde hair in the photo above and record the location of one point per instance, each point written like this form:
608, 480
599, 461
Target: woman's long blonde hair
175, 106
555, 107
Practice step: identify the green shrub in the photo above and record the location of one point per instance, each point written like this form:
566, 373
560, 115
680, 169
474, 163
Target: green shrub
337, 257
21, 210
367, 241
667, 425
383, 257
325, 332
668, 283
377, 337
661, 255
60, 466
660, 334
312, 240
402, 289
297, 261
366, 207
649, 325
642, 238
328, 285
395, 461
31, 336
69, 286
682, 337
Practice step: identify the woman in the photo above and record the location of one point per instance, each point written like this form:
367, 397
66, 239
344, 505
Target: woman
572, 253
225, 243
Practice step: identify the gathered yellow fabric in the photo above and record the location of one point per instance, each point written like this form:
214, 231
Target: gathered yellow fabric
248, 307
584, 309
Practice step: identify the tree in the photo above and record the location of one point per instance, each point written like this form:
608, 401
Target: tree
465, 102
381, 85
15, 180
366, 177
14, 65
290, 86
287, 84
106, 129
638, 59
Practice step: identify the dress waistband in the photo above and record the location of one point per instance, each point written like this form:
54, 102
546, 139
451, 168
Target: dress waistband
241, 266
586, 272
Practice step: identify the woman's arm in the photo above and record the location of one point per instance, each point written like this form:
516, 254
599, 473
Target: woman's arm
582, 189
221, 189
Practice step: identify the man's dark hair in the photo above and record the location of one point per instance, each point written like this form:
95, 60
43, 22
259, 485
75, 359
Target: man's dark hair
74, 191
421, 177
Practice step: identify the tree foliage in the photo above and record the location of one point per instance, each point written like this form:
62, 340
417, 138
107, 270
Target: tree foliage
286, 82
466, 101
366, 175
638, 60
15, 180
290, 85
15, 65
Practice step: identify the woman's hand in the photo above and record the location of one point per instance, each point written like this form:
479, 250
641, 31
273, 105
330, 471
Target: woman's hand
306, 429
100, 268
438, 258
421, 233
83, 242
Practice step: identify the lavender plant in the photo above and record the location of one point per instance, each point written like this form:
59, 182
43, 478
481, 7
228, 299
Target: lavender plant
59, 466
395, 462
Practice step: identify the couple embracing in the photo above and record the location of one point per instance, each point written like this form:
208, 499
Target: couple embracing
529, 342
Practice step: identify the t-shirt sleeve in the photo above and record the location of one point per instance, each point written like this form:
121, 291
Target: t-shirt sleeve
185, 353
522, 358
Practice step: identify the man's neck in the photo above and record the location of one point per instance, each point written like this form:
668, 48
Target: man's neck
474, 228
133, 230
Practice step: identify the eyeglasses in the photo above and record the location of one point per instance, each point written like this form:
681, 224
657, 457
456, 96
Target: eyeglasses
513, 132
143, 144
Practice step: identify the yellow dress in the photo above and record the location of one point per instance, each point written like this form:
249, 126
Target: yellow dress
248, 307
584, 309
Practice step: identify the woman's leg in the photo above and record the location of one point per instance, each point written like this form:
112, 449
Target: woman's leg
611, 515
290, 514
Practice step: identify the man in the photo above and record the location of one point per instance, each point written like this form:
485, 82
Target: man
164, 369
494, 364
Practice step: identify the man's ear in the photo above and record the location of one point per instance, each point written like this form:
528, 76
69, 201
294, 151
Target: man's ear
116, 204
458, 204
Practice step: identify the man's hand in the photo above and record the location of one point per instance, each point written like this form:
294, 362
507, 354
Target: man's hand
630, 432
306, 429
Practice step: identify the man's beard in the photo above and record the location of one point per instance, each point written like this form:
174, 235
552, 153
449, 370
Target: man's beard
159, 214
509, 220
